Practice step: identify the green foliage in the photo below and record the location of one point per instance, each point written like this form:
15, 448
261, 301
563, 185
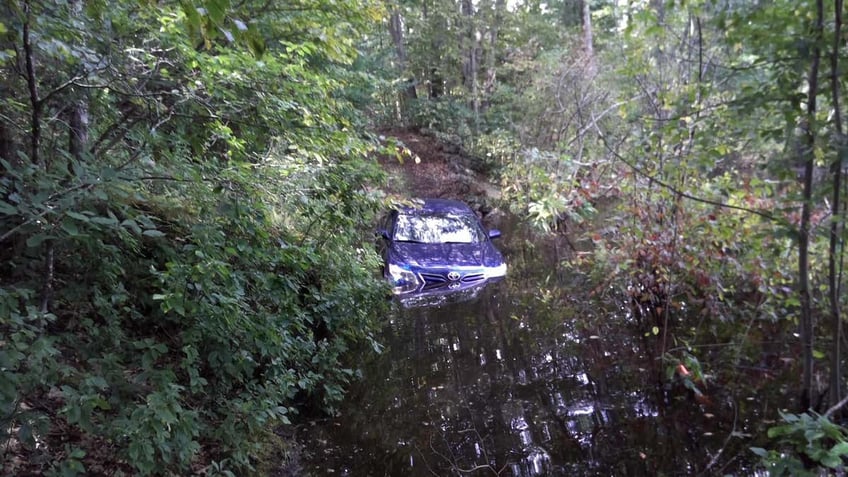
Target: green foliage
198, 270
445, 115
547, 188
687, 368
496, 149
703, 229
823, 444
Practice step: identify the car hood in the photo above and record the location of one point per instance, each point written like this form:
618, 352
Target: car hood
426, 255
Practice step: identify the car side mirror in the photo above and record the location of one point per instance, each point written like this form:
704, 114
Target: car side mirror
383, 233
494, 233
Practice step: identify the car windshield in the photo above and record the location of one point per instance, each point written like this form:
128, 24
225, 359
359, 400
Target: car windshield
443, 228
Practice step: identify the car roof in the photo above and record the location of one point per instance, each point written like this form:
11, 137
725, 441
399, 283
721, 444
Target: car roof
430, 206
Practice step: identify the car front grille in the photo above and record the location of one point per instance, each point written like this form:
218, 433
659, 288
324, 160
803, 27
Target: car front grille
472, 277
436, 280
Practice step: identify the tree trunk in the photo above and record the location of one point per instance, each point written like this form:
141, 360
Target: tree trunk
32, 86
806, 319
471, 66
6, 144
396, 31
78, 132
835, 249
588, 41
658, 6
492, 52
435, 81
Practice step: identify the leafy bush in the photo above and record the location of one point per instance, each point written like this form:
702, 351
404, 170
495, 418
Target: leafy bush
193, 271
807, 444
446, 114
547, 188
198, 332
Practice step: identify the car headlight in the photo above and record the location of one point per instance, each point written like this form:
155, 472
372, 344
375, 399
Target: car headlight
495, 272
402, 280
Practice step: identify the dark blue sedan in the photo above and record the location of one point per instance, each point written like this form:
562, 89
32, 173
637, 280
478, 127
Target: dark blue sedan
438, 244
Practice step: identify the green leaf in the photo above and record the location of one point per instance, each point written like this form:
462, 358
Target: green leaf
70, 228
831, 461
153, 233
36, 240
7, 208
217, 10
813, 435
110, 221
840, 449
789, 417
759, 451
78, 216
132, 225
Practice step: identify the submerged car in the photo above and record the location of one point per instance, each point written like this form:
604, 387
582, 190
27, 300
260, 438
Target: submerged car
438, 245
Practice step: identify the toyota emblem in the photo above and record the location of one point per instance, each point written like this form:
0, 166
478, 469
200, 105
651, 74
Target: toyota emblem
453, 276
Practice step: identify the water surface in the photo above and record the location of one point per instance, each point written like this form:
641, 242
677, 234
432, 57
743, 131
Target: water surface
538, 374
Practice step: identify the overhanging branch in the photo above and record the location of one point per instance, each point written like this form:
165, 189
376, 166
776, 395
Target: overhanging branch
670, 187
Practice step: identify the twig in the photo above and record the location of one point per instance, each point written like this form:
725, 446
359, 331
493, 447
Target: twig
604, 113
475, 469
71, 82
427, 464
726, 441
836, 407
721, 345
444, 457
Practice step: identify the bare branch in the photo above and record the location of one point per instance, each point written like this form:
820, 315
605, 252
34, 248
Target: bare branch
71, 82
673, 189
836, 407
715, 458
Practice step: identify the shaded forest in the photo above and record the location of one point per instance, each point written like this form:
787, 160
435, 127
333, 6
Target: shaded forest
188, 192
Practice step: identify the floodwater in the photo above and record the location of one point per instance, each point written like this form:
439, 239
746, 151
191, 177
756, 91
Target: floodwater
535, 375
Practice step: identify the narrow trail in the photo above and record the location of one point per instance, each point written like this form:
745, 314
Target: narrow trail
432, 168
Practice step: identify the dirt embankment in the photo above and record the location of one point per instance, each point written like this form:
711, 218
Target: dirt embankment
431, 168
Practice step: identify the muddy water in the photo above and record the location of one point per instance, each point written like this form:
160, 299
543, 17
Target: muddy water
531, 376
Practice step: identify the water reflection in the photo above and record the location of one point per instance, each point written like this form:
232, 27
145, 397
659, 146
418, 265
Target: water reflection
452, 293
510, 382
